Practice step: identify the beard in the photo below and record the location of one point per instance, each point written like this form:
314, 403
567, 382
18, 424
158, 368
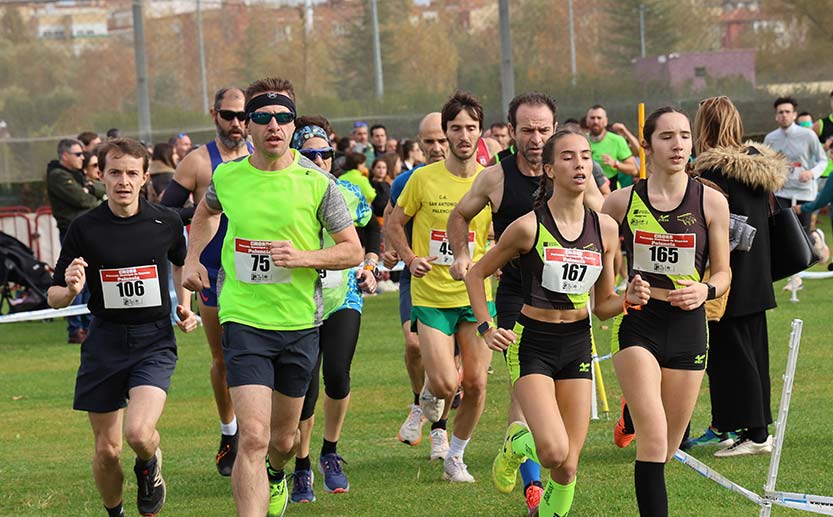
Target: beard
229, 140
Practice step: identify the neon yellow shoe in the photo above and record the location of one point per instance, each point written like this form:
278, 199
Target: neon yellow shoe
278, 498
506, 464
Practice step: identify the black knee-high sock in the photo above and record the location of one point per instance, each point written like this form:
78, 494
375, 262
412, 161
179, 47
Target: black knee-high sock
649, 480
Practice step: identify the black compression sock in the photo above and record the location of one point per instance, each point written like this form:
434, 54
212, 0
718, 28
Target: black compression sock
416, 399
757, 434
302, 464
328, 447
440, 424
649, 480
117, 511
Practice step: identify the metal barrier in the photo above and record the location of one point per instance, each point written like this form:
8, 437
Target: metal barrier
48, 237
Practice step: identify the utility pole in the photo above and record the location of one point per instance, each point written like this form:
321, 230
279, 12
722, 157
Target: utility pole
202, 60
142, 97
507, 73
572, 44
377, 51
642, 30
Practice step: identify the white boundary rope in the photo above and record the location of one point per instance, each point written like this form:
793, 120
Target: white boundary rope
45, 314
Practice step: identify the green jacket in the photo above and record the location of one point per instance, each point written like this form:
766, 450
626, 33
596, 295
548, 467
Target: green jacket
67, 195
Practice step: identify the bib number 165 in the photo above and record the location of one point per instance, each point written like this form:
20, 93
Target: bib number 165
664, 254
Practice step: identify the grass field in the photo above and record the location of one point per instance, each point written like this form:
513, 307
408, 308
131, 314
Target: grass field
45, 446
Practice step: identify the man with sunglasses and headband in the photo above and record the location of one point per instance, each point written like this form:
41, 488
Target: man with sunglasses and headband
270, 293
193, 175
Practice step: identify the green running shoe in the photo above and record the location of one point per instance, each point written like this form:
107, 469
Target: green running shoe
506, 464
278, 498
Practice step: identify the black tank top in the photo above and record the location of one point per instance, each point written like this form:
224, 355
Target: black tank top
557, 273
518, 197
826, 128
665, 247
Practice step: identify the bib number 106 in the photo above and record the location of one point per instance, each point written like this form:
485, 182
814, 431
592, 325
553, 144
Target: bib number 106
573, 272
664, 254
134, 288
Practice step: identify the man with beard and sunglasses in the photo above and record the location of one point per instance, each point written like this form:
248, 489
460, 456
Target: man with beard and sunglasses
193, 175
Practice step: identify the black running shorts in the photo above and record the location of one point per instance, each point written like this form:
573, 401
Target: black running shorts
117, 357
280, 359
557, 350
678, 339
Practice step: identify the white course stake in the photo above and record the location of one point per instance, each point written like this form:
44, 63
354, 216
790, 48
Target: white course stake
783, 412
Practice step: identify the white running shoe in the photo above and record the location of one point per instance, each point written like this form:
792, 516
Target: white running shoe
411, 430
456, 471
745, 447
439, 444
432, 407
822, 251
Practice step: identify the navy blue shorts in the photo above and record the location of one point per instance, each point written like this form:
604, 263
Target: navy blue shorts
209, 296
405, 296
280, 359
117, 357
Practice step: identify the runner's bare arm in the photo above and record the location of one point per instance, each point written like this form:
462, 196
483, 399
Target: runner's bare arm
467, 209
606, 302
345, 253
58, 296
204, 225
616, 204
518, 238
593, 198
628, 166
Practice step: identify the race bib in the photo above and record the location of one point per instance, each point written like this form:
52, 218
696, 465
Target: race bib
330, 279
664, 253
570, 271
438, 247
253, 263
130, 287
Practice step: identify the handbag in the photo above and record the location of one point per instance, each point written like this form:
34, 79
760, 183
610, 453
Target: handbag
790, 248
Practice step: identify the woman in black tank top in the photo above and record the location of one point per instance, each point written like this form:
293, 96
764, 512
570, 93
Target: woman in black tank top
566, 251
661, 350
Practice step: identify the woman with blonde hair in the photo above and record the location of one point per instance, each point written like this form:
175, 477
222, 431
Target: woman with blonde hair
738, 366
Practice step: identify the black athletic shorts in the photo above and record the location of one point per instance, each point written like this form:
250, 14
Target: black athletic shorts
508, 303
678, 339
117, 357
280, 359
557, 350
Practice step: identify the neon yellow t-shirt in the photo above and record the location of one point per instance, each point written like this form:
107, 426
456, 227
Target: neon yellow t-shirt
430, 195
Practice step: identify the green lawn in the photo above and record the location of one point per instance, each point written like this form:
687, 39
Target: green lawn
45, 446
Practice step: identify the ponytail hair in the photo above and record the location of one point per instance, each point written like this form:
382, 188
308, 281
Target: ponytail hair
548, 158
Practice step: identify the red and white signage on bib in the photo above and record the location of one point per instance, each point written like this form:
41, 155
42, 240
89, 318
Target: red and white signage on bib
664, 253
438, 247
130, 287
570, 271
253, 263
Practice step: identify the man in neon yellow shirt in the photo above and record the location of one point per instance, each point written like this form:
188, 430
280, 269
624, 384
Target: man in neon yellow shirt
441, 310
278, 205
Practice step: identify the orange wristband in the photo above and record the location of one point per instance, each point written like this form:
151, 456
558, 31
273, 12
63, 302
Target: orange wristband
409, 262
626, 306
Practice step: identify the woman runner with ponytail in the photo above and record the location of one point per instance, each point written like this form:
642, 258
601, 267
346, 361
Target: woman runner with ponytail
671, 226
565, 250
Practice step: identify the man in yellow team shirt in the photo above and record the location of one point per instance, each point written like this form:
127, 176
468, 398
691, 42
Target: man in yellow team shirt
441, 310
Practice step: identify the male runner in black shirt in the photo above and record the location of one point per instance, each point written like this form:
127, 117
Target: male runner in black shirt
124, 246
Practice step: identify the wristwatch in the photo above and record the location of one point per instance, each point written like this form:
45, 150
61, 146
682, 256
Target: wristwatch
711, 295
484, 327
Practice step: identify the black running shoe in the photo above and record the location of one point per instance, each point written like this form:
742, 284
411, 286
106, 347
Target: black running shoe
150, 496
227, 453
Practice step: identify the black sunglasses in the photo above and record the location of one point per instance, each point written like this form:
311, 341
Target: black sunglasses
229, 115
263, 118
312, 154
